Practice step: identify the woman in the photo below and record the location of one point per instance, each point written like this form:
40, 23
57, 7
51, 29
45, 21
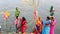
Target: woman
17, 12
39, 25
17, 24
24, 25
46, 29
52, 27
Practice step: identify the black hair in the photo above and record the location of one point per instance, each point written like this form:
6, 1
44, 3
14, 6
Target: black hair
48, 17
16, 8
23, 18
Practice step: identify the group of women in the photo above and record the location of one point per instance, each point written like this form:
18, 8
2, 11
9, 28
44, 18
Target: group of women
42, 26
21, 23
45, 27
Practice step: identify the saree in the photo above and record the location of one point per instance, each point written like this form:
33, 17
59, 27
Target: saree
46, 29
52, 27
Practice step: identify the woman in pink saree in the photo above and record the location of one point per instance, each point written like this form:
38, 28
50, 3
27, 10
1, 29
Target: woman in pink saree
53, 24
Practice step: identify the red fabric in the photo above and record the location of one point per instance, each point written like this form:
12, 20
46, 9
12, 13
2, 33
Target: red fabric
35, 32
23, 29
24, 22
24, 26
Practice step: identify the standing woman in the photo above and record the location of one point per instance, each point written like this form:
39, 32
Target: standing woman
39, 25
52, 27
46, 29
24, 25
17, 12
17, 24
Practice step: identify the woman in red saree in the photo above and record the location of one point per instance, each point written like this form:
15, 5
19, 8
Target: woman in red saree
24, 25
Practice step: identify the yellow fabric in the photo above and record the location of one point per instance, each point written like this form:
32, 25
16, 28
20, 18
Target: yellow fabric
7, 13
38, 22
51, 17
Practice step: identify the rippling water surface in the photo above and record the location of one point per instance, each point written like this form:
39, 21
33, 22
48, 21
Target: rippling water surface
27, 11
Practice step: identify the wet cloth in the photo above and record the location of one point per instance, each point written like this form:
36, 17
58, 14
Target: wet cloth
46, 29
17, 24
24, 26
52, 27
39, 26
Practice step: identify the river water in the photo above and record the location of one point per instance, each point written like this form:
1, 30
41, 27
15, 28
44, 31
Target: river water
27, 11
